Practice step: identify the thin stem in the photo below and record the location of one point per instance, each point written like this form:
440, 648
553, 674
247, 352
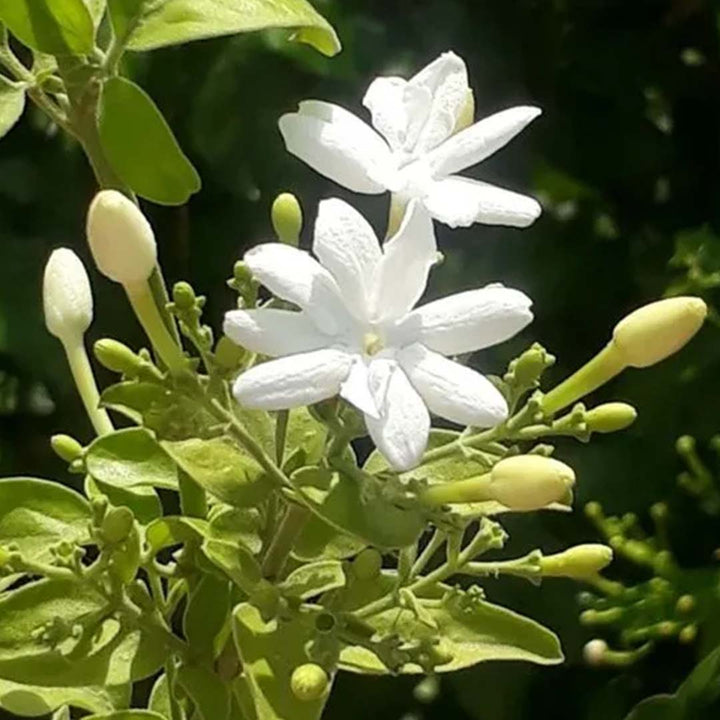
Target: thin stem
87, 387
281, 545
281, 426
433, 545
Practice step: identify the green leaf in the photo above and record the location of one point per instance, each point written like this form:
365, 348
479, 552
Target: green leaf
147, 24
237, 525
58, 27
174, 530
363, 512
33, 701
236, 562
470, 630
305, 434
131, 458
206, 613
658, 707
143, 501
36, 514
209, 694
127, 715
141, 147
12, 104
314, 579
221, 468
160, 698
269, 653
318, 540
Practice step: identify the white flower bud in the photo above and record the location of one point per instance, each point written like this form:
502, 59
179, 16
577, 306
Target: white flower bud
656, 331
67, 298
530, 482
121, 239
579, 562
595, 652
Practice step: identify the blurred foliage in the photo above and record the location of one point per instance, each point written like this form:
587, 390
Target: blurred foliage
626, 160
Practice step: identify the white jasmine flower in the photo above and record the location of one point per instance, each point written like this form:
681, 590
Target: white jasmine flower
417, 146
356, 332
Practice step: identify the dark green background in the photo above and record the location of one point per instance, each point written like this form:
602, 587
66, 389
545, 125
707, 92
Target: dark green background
626, 159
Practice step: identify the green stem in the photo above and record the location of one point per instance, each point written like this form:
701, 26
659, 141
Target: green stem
87, 387
281, 545
281, 426
434, 544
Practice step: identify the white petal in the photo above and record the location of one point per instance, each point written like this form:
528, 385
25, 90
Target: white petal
403, 271
479, 141
339, 145
451, 390
293, 381
347, 246
467, 321
401, 431
460, 202
294, 275
356, 389
274, 332
446, 79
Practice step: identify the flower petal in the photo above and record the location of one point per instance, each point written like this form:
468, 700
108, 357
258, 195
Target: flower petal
356, 389
293, 381
467, 321
402, 274
447, 80
274, 332
451, 390
338, 145
348, 247
401, 431
460, 202
294, 275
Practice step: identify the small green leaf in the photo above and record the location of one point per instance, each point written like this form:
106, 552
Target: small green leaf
307, 434
36, 514
57, 27
127, 715
141, 147
143, 501
160, 698
236, 562
209, 694
221, 468
206, 613
238, 526
174, 530
318, 540
314, 579
147, 24
343, 504
131, 458
12, 104
33, 701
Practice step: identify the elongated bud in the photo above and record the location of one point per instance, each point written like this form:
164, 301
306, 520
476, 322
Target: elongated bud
117, 524
309, 682
117, 357
656, 331
579, 562
121, 239
530, 482
67, 298
287, 219
66, 448
610, 417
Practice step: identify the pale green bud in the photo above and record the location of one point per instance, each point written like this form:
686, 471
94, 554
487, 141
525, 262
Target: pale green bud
530, 482
656, 331
287, 219
117, 357
65, 447
309, 682
579, 562
610, 417
67, 297
117, 524
121, 239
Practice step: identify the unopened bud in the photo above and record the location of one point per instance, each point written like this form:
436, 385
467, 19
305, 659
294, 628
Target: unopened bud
595, 652
67, 298
66, 448
309, 682
579, 562
656, 331
117, 524
117, 357
610, 417
121, 239
527, 369
367, 565
184, 296
530, 482
287, 219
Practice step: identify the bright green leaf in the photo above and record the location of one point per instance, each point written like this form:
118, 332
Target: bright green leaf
160, 698
314, 579
318, 540
33, 701
57, 27
206, 613
141, 147
12, 104
131, 458
148, 24
236, 562
174, 530
127, 715
36, 514
209, 694
238, 526
143, 501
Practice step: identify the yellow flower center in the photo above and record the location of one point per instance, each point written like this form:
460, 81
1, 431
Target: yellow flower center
372, 344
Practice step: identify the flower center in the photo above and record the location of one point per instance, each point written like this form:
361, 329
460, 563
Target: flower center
372, 343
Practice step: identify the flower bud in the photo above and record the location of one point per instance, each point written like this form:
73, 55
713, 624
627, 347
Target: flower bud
309, 682
287, 219
530, 482
121, 239
67, 298
117, 524
595, 652
117, 357
66, 448
184, 296
656, 331
579, 562
525, 371
610, 417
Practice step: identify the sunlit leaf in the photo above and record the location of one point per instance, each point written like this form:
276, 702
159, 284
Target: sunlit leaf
12, 104
314, 579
